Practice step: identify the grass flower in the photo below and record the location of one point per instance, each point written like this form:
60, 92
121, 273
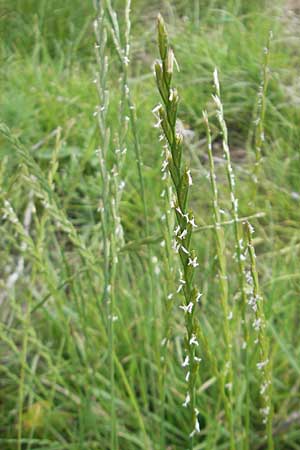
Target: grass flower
182, 180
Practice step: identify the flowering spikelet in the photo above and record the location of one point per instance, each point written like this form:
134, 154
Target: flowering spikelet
166, 117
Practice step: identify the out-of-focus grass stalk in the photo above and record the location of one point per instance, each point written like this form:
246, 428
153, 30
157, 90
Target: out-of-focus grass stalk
182, 180
264, 365
22, 375
122, 46
227, 373
124, 57
261, 109
37, 181
104, 137
24, 352
27, 244
105, 208
239, 248
54, 158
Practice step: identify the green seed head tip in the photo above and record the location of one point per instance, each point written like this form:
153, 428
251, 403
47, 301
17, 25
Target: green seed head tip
170, 61
162, 37
161, 24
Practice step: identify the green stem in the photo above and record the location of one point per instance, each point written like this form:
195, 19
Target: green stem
182, 181
227, 376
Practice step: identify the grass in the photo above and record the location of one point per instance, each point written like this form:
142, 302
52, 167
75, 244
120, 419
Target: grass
182, 180
92, 336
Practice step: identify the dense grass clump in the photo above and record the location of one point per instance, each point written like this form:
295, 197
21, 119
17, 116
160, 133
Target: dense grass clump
149, 275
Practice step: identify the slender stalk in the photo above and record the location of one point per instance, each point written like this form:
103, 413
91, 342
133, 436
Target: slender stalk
122, 46
227, 378
239, 248
181, 178
113, 185
261, 109
124, 57
23, 231
105, 210
22, 374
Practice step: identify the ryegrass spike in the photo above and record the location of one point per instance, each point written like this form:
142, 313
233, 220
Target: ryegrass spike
166, 115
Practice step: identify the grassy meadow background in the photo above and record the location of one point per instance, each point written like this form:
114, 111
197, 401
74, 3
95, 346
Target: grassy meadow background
76, 232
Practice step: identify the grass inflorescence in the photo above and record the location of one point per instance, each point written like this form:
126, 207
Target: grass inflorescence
166, 115
139, 310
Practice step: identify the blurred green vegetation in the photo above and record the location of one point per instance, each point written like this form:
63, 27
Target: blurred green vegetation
46, 81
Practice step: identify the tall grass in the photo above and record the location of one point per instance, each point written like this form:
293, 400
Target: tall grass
167, 120
227, 378
182, 180
140, 312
